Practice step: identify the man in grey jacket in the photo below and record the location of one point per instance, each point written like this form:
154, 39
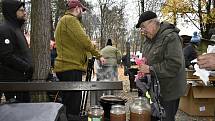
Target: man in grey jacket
163, 51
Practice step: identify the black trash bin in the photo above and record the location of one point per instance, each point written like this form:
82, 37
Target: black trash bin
132, 72
107, 101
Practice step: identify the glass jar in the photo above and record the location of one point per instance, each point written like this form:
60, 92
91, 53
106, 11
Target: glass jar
117, 113
3, 99
96, 113
140, 110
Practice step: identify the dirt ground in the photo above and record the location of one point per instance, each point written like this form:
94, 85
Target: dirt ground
181, 116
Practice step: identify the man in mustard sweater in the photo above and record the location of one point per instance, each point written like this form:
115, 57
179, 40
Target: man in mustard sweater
72, 45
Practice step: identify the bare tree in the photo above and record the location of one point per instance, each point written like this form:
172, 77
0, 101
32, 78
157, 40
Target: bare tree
58, 10
112, 22
88, 20
104, 5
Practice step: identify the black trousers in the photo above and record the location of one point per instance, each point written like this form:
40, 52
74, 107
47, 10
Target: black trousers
71, 99
170, 108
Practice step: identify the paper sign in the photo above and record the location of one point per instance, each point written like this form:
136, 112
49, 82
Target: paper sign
202, 108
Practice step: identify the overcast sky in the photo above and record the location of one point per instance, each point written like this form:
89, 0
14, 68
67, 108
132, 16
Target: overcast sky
131, 12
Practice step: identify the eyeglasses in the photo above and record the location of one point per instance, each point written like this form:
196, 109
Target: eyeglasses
144, 25
21, 10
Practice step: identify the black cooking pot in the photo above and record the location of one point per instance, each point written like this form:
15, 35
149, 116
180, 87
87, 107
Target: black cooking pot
107, 101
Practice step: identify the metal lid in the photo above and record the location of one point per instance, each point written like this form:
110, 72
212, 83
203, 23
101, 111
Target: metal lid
112, 98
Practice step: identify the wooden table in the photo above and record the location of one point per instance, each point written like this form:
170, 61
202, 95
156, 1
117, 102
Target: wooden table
191, 77
198, 79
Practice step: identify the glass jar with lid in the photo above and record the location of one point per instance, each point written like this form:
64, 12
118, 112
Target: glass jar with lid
117, 113
140, 110
95, 113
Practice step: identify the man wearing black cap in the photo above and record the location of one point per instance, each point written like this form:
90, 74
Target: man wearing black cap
72, 46
163, 50
15, 56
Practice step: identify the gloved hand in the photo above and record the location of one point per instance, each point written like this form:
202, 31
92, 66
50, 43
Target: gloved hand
29, 73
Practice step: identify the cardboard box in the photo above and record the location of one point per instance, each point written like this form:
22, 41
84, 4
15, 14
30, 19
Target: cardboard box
189, 74
198, 101
191, 77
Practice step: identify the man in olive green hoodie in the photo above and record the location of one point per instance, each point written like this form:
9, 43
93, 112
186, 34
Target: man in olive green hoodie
163, 51
72, 45
110, 69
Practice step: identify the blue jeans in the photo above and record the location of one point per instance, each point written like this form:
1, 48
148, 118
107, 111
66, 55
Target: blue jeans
110, 73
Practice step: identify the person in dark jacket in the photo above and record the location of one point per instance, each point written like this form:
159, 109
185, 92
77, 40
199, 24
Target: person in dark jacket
15, 56
190, 51
163, 51
53, 52
125, 63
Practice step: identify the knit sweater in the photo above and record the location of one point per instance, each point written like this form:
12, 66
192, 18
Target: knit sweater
72, 45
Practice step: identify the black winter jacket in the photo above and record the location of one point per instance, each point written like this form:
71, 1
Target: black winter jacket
190, 53
15, 55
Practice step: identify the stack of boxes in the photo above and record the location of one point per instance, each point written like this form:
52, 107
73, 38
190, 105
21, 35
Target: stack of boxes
199, 100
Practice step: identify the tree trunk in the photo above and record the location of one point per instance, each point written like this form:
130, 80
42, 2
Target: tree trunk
1, 16
208, 24
51, 28
200, 18
128, 52
102, 40
59, 11
142, 5
40, 42
214, 4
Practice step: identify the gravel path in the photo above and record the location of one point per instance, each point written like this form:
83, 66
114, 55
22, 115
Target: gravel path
181, 116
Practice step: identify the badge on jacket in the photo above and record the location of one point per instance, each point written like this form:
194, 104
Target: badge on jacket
7, 41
